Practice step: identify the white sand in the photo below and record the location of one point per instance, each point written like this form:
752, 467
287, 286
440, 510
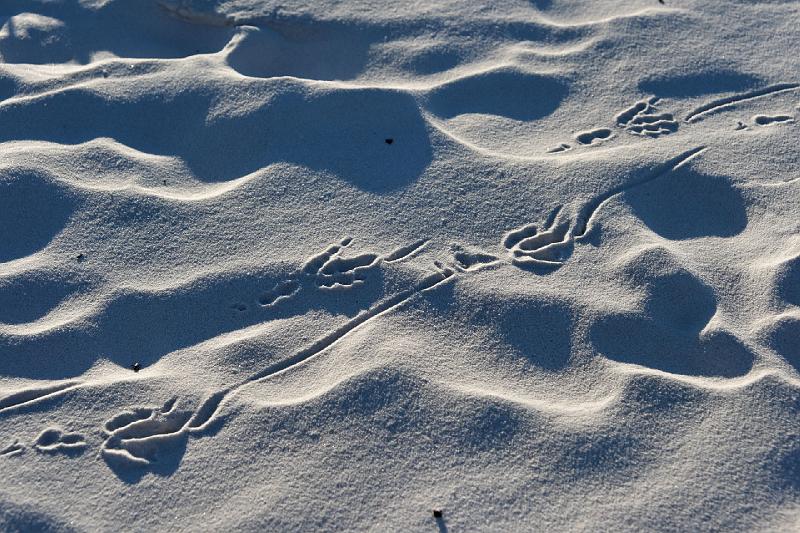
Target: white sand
534, 263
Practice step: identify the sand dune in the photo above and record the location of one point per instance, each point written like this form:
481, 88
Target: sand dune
334, 265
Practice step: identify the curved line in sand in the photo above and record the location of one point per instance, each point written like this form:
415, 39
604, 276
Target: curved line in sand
709, 383
729, 101
647, 12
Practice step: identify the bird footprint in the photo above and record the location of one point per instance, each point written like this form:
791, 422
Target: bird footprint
54, 440
548, 246
137, 436
329, 270
643, 118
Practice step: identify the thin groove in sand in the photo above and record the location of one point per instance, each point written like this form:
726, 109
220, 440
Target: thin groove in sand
27, 397
721, 103
211, 406
584, 223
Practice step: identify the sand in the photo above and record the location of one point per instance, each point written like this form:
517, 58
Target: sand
295, 266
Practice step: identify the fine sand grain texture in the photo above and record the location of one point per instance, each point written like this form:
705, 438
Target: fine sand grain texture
399, 266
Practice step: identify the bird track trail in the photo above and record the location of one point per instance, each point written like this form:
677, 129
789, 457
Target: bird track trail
644, 118
134, 437
549, 246
212, 405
